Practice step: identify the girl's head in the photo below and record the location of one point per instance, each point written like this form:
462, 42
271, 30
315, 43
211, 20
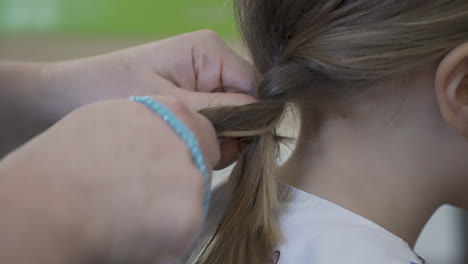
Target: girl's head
333, 58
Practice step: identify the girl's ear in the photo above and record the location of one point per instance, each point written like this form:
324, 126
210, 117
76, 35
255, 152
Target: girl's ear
451, 86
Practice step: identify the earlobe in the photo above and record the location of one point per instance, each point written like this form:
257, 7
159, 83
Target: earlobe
451, 85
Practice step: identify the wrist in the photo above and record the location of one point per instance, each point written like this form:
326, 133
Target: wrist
17, 78
25, 92
21, 109
72, 84
58, 99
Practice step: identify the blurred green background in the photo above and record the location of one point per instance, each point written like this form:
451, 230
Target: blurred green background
47, 30
122, 17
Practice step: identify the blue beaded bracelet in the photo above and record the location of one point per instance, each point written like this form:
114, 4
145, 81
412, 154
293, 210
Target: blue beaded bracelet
187, 137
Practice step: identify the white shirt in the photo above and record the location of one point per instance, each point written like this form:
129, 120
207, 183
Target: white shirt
316, 231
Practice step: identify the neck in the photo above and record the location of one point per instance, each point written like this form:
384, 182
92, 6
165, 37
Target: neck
375, 171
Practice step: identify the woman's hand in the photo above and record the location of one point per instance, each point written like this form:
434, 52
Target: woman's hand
198, 61
34, 96
110, 183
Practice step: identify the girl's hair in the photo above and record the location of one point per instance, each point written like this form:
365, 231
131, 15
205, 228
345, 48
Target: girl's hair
312, 53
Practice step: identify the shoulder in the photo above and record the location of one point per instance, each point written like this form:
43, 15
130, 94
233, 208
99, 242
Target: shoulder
345, 247
317, 231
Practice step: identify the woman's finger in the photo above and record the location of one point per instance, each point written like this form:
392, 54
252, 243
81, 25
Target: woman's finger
218, 66
197, 101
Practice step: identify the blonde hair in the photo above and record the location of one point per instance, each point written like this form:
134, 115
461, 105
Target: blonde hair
312, 53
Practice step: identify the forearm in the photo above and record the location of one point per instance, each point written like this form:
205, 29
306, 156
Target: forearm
30, 231
23, 104
33, 96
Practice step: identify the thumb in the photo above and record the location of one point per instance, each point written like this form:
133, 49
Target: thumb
197, 101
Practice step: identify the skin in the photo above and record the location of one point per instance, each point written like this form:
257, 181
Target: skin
110, 182
41, 94
398, 154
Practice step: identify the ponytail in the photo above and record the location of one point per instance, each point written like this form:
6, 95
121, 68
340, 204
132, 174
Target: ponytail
249, 231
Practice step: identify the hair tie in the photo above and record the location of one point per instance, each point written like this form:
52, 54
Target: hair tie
187, 137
